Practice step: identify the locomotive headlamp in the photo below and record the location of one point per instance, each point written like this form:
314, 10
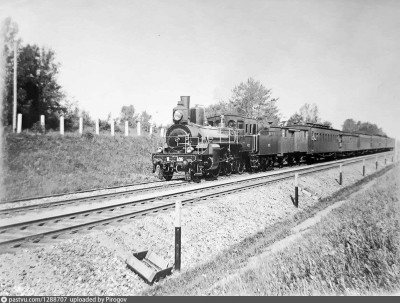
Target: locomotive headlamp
189, 149
160, 149
178, 115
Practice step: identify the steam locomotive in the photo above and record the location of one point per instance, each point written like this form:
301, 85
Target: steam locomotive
221, 145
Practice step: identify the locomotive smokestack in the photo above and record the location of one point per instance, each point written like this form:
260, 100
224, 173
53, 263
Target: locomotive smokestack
186, 102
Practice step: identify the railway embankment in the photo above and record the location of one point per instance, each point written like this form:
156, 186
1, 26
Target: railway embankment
38, 165
219, 237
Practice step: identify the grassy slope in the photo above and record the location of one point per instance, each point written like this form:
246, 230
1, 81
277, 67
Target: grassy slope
46, 164
355, 250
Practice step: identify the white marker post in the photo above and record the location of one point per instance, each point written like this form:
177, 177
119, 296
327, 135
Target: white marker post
112, 127
19, 123
42, 122
340, 175
178, 214
296, 190
161, 132
151, 130
62, 125
126, 128
138, 127
97, 127
15, 87
363, 167
80, 125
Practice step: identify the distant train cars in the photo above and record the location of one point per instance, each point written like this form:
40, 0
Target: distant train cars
232, 144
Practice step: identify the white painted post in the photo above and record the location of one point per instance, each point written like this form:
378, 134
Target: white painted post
42, 120
97, 127
161, 132
19, 123
80, 125
138, 127
112, 127
178, 215
151, 129
126, 128
62, 125
15, 88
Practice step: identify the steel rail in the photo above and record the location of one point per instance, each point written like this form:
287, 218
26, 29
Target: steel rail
85, 199
232, 187
29, 199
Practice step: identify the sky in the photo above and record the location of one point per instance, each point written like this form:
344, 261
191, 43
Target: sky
344, 56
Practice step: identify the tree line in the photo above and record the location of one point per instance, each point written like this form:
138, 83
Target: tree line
39, 93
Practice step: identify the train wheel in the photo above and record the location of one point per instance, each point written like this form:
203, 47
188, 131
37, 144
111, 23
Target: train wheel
167, 175
215, 172
227, 168
240, 167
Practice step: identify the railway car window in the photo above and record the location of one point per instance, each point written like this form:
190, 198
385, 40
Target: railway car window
254, 129
240, 124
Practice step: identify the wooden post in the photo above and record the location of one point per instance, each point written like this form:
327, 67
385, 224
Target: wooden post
340, 175
62, 125
97, 127
363, 167
296, 190
80, 125
126, 128
178, 213
376, 162
138, 127
19, 123
112, 127
42, 121
14, 126
385, 159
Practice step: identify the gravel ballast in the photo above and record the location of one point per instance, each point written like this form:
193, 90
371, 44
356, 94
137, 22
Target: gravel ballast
94, 263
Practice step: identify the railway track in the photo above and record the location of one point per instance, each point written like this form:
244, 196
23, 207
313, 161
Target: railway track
16, 232
37, 203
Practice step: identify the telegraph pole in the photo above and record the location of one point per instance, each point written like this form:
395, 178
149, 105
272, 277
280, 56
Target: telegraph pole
14, 126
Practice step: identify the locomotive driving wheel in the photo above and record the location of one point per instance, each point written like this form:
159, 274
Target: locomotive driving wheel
166, 175
240, 167
215, 172
228, 168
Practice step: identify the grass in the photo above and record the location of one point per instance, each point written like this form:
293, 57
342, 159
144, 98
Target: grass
354, 251
48, 164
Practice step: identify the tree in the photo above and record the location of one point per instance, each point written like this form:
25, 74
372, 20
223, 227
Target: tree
296, 118
221, 108
145, 120
327, 123
308, 113
250, 99
128, 114
253, 100
38, 92
349, 125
